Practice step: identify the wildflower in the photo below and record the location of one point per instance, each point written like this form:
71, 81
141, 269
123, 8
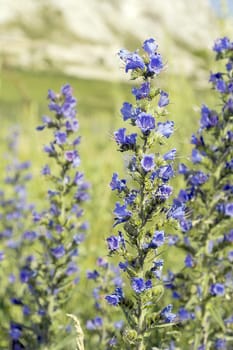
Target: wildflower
58, 228
217, 289
206, 218
141, 237
164, 99
145, 122
139, 285
147, 162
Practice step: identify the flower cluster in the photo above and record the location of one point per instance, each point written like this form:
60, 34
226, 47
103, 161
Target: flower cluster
204, 286
143, 212
106, 325
50, 272
15, 212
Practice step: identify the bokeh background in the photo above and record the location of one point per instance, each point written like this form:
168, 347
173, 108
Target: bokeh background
47, 43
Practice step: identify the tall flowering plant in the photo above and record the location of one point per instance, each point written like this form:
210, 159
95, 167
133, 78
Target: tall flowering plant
50, 273
15, 212
143, 216
204, 286
103, 330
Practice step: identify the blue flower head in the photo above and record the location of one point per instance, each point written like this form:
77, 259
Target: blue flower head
150, 46
157, 240
142, 92
208, 119
167, 315
147, 162
222, 44
164, 99
217, 289
156, 64
145, 122
117, 184
139, 285
166, 129
125, 141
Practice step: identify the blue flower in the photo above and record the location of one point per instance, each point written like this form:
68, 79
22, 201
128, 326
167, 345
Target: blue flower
182, 169
170, 155
60, 137
142, 92
189, 262
128, 112
72, 125
150, 46
71, 268
165, 172
123, 265
184, 315
58, 252
147, 162
30, 235
229, 165
72, 156
113, 243
118, 324
157, 240
229, 209
229, 66
26, 310
167, 315
166, 129
229, 320
50, 149
228, 107
125, 140
185, 195
209, 118
221, 86
198, 178
229, 236
115, 298
120, 211
217, 289
15, 331
197, 141
67, 91
222, 44
164, 99
185, 225
139, 285
117, 184
220, 344
230, 256
177, 210
25, 274
130, 197
92, 275
46, 170
156, 64
145, 122
196, 156
51, 95
164, 191
95, 323
132, 60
